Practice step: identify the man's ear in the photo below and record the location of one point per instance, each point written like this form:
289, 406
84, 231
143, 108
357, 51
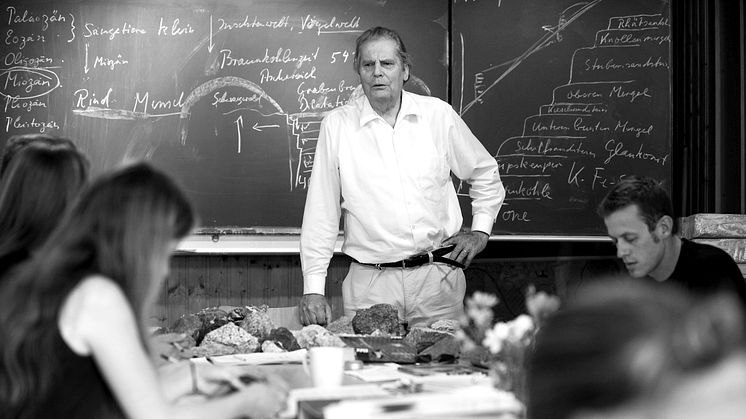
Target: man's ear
665, 226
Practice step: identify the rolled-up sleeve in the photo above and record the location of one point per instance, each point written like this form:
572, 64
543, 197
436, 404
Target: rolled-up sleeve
471, 162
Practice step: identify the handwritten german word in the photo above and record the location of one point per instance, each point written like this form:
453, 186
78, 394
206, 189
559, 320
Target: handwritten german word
175, 29
19, 123
84, 99
109, 63
265, 76
617, 149
282, 56
282, 22
18, 59
610, 64
91, 30
145, 105
28, 105
21, 41
221, 98
14, 18
638, 22
332, 26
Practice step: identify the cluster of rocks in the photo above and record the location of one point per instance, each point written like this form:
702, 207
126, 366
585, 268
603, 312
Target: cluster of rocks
247, 329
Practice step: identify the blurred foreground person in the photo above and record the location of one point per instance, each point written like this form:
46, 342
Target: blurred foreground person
16, 143
72, 318
632, 350
40, 183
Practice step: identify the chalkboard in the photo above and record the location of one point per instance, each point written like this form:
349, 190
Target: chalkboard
569, 96
226, 96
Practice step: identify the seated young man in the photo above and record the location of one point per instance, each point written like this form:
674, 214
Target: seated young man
638, 214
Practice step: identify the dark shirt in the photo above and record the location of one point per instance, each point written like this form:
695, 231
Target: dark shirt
705, 269
78, 390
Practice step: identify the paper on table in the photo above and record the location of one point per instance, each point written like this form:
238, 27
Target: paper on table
375, 373
358, 391
260, 358
481, 401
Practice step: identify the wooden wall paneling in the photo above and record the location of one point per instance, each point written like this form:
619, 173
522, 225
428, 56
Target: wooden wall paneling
233, 283
196, 280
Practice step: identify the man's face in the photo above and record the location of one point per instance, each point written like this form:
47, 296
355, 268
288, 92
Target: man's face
381, 71
640, 249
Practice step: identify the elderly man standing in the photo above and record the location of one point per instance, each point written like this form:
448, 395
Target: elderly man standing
383, 163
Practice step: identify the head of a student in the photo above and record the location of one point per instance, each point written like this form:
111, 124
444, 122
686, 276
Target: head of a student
17, 143
123, 227
130, 222
383, 64
621, 350
638, 215
40, 183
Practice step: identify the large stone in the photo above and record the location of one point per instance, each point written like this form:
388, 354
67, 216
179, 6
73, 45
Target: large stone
380, 317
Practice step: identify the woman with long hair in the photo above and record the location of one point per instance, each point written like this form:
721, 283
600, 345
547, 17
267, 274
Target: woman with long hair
40, 182
72, 318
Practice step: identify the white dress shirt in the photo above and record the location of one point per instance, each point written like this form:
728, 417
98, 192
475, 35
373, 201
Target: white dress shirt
392, 184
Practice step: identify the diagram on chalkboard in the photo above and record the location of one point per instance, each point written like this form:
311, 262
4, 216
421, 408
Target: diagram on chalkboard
598, 108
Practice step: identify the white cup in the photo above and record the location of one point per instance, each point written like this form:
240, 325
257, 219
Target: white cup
325, 365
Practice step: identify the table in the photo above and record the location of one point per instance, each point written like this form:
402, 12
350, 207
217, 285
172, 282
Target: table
410, 397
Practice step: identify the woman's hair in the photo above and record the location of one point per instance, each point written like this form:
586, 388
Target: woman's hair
120, 228
17, 143
621, 342
40, 183
379, 32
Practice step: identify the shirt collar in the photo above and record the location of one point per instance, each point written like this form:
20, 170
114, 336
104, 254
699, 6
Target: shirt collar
408, 107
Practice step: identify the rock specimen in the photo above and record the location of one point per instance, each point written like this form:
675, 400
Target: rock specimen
380, 317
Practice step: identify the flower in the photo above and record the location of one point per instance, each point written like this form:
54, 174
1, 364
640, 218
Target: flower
502, 346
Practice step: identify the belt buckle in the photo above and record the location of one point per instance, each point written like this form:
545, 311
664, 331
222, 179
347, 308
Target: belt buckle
378, 266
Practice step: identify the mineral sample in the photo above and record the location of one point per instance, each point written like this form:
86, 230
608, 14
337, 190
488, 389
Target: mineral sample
381, 317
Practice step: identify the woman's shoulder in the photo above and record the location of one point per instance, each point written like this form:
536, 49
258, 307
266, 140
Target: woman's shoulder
98, 289
95, 302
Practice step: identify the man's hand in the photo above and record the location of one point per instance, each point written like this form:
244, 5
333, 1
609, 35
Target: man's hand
314, 309
467, 246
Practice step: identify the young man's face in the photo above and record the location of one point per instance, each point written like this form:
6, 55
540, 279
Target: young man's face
640, 249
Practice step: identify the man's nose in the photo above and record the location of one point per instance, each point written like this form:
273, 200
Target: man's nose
622, 250
377, 69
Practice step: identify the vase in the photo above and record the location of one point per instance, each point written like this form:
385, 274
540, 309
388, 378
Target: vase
510, 375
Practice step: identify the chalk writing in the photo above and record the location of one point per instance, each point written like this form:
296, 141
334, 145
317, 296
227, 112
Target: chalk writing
92, 30
21, 41
19, 123
27, 82
607, 120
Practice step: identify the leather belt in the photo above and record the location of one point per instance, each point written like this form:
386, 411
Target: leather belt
433, 256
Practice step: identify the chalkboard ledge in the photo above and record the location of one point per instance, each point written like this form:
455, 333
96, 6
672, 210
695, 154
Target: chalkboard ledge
220, 241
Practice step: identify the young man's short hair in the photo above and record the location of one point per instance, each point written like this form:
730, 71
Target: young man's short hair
652, 200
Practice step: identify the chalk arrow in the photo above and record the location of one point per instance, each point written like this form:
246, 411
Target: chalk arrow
210, 46
258, 127
85, 66
239, 125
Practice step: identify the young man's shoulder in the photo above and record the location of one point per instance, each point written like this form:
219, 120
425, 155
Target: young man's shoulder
695, 250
